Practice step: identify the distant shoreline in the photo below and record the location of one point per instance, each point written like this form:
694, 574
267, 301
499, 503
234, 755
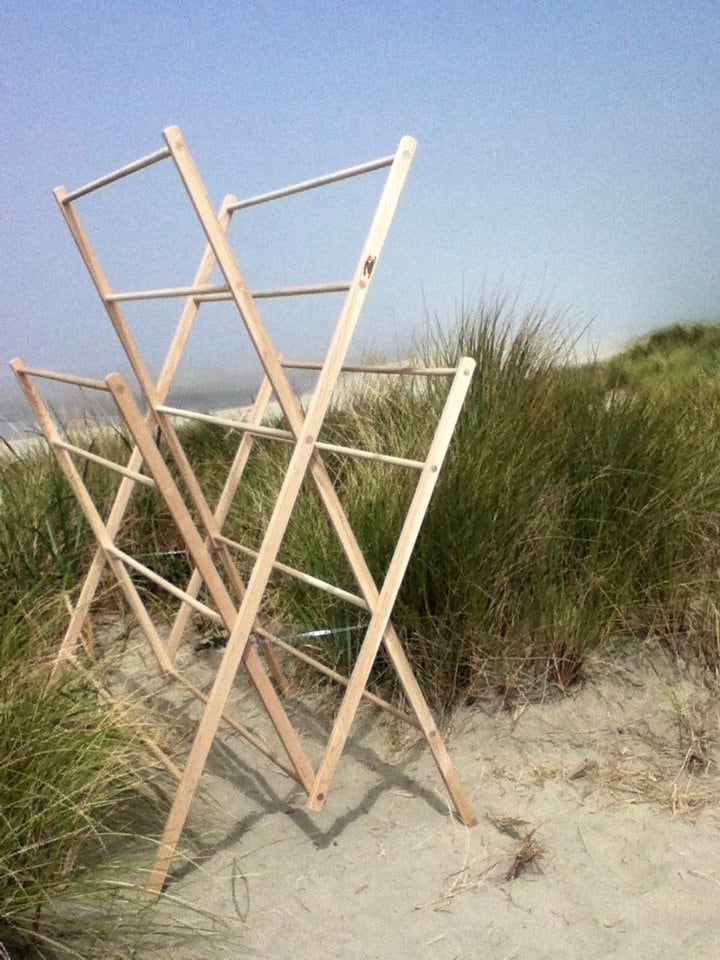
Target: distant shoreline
30, 437
19, 430
19, 436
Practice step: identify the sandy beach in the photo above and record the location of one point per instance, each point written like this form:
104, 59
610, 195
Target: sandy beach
598, 831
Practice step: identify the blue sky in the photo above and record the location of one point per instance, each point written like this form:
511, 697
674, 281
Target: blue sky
567, 151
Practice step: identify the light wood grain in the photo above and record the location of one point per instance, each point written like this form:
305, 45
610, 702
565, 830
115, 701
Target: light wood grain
165, 380
382, 609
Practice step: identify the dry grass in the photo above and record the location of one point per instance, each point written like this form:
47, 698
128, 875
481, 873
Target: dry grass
512, 826
528, 853
661, 745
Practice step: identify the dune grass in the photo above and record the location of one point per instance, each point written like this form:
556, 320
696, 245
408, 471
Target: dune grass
578, 508
570, 513
72, 770
566, 516
678, 357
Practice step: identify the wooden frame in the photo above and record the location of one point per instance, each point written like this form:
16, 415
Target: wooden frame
205, 543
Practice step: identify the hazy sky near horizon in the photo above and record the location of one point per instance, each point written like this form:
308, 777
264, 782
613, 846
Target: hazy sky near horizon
568, 151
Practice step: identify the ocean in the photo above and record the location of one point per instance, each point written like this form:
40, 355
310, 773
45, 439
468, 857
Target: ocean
17, 426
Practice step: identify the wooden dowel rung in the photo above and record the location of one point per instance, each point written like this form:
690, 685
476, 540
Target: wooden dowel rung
345, 174
369, 455
169, 292
305, 291
165, 584
339, 678
60, 377
118, 174
406, 370
256, 429
239, 728
276, 434
323, 585
110, 464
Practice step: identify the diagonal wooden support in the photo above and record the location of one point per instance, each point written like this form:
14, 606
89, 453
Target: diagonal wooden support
158, 392
222, 509
98, 527
382, 609
306, 430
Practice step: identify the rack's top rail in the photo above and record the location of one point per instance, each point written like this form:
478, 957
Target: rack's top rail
309, 290
125, 171
19, 367
345, 174
404, 369
169, 292
222, 292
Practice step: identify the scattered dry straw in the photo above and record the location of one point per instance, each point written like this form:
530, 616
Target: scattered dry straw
528, 852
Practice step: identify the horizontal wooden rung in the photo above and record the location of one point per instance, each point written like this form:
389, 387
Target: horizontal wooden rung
221, 292
286, 436
169, 292
345, 174
339, 678
165, 584
407, 369
369, 455
227, 422
278, 292
109, 178
239, 728
110, 464
19, 367
323, 585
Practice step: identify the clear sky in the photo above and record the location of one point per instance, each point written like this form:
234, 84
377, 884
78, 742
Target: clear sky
567, 150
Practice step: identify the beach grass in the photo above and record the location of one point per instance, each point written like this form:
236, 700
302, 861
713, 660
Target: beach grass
577, 512
72, 774
568, 515
72, 768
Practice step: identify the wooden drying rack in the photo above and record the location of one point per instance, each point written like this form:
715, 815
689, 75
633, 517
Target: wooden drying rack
211, 551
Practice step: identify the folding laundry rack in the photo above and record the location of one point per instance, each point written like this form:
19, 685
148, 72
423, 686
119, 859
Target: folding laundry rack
210, 550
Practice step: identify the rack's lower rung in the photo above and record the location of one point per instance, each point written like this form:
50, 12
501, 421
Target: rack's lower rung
339, 678
110, 464
334, 591
239, 728
165, 584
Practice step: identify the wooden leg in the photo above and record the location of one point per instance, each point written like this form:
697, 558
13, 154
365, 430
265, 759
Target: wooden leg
381, 605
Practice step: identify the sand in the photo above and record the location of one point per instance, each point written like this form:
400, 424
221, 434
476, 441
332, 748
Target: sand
614, 788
